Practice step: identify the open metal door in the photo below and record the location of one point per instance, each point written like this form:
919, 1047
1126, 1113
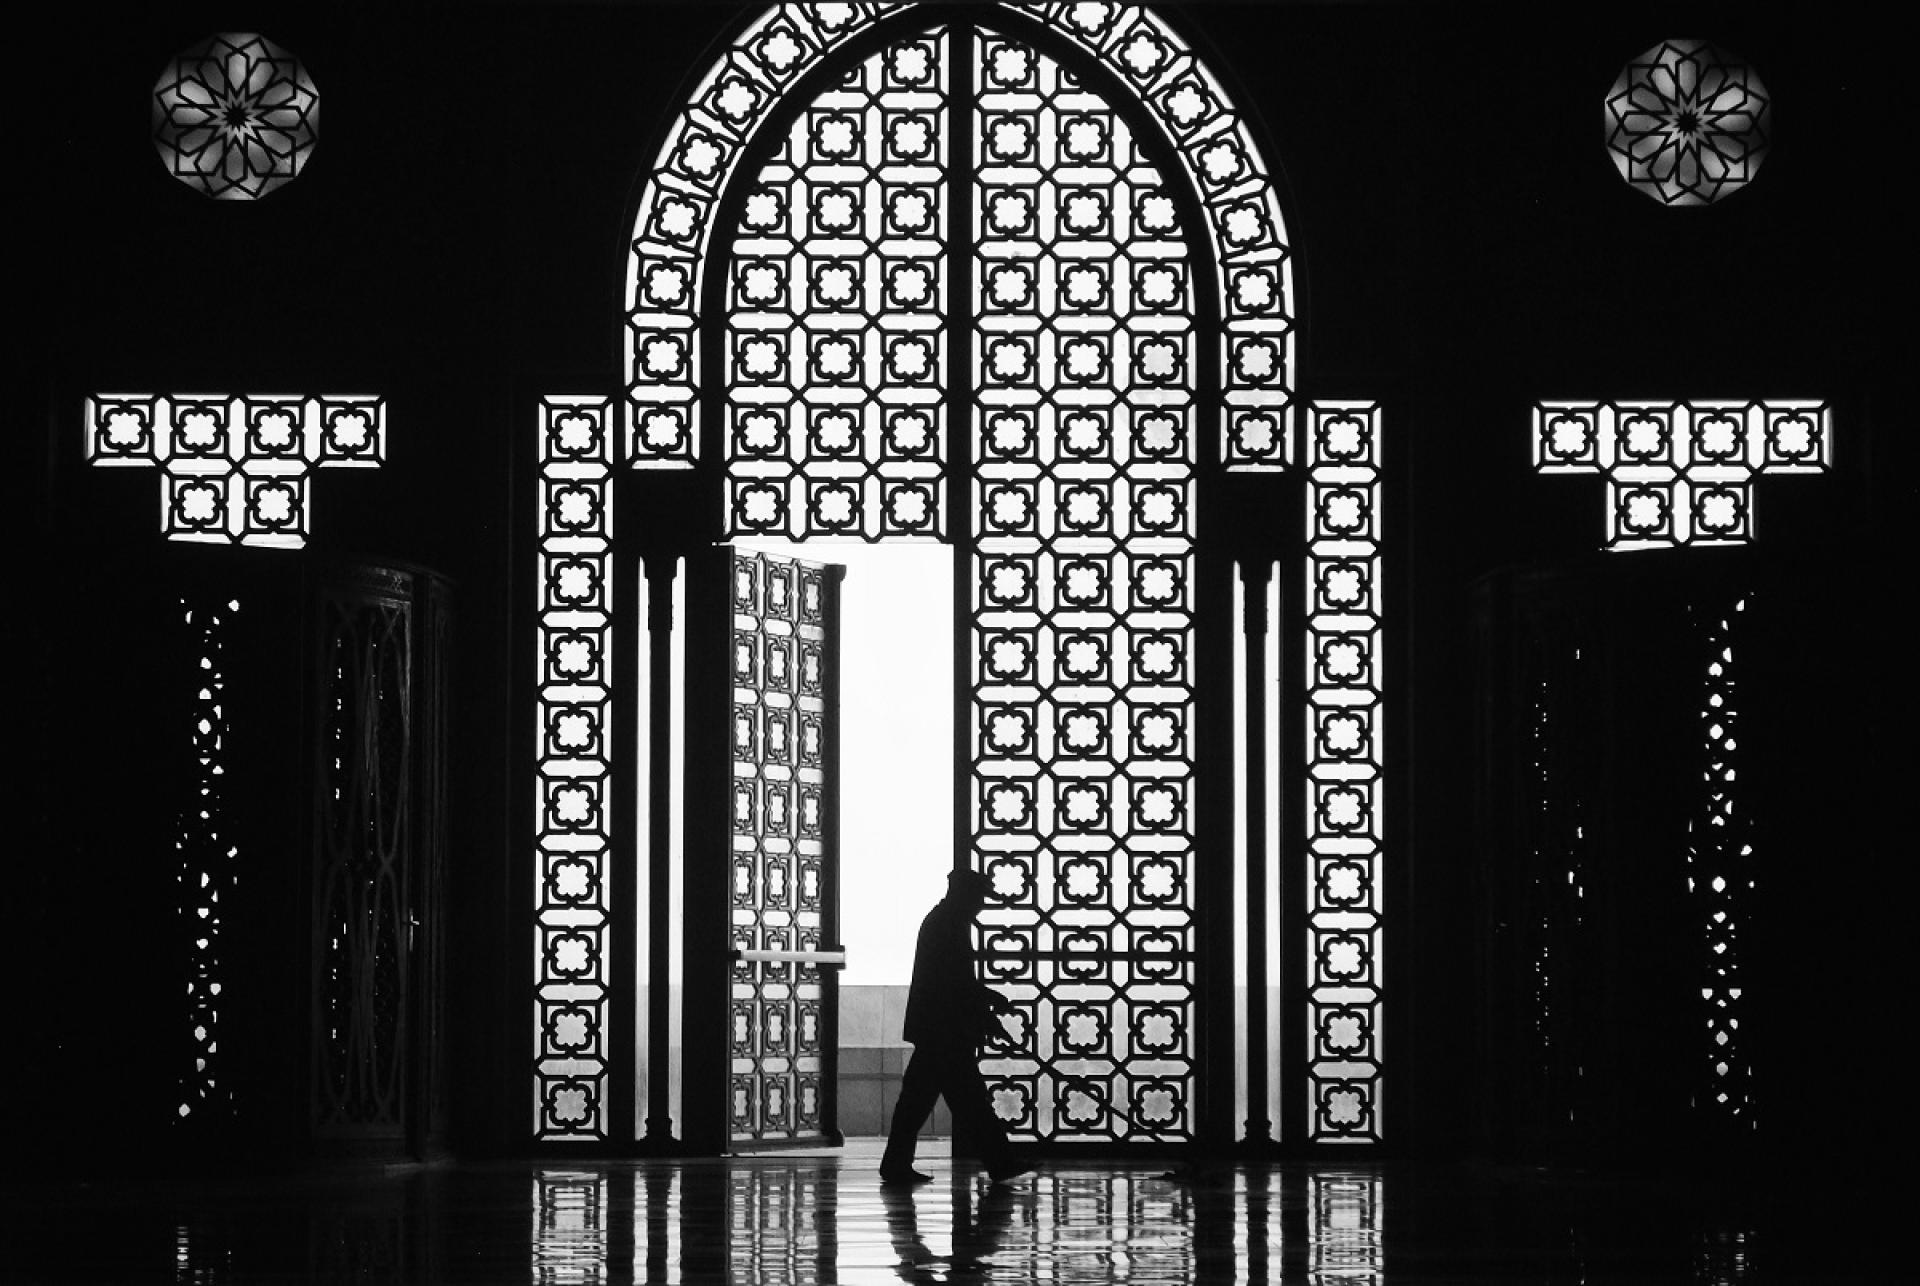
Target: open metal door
783, 851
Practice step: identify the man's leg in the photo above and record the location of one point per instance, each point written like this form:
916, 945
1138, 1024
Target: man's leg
919, 1087
966, 1093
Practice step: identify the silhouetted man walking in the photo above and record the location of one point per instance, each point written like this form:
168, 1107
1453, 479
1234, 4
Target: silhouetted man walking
949, 1012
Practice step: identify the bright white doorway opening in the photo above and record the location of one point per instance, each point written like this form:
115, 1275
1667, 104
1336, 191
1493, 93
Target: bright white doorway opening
896, 801
896, 746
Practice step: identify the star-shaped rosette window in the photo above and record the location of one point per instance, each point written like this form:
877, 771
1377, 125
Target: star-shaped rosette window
235, 117
1688, 123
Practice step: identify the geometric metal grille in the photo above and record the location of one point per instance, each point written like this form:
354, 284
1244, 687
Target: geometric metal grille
1688, 123
672, 234
1082, 712
1344, 771
235, 117
674, 228
1242, 220
573, 720
1681, 473
207, 856
1559, 824
362, 910
1720, 867
782, 744
834, 353
236, 469
793, 486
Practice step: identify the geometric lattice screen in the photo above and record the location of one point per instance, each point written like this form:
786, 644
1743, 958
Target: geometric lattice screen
1720, 872
236, 469
1681, 473
208, 856
783, 743
363, 850
835, 346
675, 230
573, 719
1083, 792
1344, 767
958, 235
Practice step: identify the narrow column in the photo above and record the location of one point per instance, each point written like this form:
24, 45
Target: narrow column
1254, 574
659, 571
960, 411
830, 939
623, 866
1296, 968
961, 384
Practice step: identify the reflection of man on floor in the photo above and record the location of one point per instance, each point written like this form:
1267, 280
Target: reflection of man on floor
949, 1012
978, 1231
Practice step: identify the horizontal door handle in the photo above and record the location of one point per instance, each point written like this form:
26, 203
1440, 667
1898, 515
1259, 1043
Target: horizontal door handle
824, 959
990, 954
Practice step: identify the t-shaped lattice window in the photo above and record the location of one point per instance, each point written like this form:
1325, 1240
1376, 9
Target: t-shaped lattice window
235, 468
1681, 473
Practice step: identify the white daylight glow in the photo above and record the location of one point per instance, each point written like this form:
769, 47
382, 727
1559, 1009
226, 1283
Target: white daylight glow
896, 746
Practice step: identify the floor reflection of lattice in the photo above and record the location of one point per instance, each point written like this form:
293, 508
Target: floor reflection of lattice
822, 1217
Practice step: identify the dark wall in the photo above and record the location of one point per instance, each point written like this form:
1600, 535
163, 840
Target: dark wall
457, 243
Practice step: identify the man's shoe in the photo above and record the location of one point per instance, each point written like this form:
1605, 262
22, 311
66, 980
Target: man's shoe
1009, 1171
902, 1178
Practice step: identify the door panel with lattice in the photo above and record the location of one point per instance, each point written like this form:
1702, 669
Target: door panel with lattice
781, 919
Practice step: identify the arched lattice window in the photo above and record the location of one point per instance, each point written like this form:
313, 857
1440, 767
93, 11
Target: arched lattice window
1014, 278
676, 228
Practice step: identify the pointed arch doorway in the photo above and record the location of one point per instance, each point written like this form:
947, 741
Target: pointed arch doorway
1008, 278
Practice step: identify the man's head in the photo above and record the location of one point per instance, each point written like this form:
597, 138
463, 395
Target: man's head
968, 887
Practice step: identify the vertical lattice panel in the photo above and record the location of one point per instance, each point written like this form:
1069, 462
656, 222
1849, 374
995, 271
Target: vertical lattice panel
360, 864
835, 350
1083, 607
1552, 925
1344, 762
1720, 876
205, 845
573, 718
777, 887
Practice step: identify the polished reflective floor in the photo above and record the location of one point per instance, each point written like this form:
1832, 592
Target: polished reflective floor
825, 1218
